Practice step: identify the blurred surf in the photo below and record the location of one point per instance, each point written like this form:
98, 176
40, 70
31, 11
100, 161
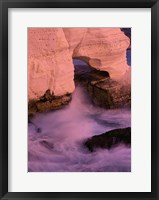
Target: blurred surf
55, 139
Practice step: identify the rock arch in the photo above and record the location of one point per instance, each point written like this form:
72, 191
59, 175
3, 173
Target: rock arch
50, 53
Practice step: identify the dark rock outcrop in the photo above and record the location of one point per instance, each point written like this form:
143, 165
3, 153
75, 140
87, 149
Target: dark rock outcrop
47, 102
109, 139
110, 94
104, 91
48, 145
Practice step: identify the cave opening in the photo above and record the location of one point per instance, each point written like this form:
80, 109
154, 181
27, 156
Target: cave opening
84, 73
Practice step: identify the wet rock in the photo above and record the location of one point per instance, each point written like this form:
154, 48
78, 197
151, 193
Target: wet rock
109, 139
32, 108
104, 91
47, 144
86, 76
110, 94
47, 96
38, 130
47, 102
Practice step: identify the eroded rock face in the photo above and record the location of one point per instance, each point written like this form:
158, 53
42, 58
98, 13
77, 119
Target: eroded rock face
104, 49
104, 91
109, 139
47, 102
50, 64
50, 53
110, 94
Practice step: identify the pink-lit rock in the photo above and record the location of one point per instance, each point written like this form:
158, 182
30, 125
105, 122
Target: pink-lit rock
104, 49
50, 53
50, 64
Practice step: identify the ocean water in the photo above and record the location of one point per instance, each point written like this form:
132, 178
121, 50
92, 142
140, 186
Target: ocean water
55, 139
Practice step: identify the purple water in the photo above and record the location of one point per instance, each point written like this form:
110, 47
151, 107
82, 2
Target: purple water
55, 139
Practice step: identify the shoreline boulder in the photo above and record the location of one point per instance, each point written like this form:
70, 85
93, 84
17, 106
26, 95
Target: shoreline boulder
109, 139
47, 102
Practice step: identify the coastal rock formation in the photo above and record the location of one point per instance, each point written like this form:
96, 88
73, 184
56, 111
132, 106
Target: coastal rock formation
109, 139
104, 91
110, 94
51, 52
50, 64
47, 102
102, 48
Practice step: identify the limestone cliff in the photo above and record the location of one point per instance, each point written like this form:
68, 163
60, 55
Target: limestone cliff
50, 53
50, 64
102, 48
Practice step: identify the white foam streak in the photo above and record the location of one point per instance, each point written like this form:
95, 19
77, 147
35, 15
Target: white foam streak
65, 130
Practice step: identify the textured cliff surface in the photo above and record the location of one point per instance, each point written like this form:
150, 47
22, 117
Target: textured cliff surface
104, 91
50, 59
102, 48
50, 64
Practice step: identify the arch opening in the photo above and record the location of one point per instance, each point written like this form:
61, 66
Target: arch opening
84, 73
